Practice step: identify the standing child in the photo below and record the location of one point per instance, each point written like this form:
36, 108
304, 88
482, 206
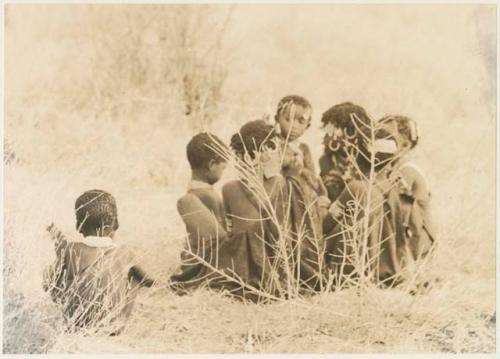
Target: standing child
413, 187
201, 208
93, 279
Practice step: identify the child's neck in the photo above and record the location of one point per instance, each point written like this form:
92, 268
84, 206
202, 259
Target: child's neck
199, 176
103, 233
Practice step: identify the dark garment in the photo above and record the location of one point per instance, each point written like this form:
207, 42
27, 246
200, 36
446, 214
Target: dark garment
415, 198
295, 231
96, 286
383, 233
304, 171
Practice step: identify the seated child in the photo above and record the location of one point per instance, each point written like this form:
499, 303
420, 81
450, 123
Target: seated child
263, 218
201, 207
374, 247
93, 279
240, 261
345, 125
293, 118
413, 187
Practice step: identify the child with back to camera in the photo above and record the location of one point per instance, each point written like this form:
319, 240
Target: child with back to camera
201, 209
94, 280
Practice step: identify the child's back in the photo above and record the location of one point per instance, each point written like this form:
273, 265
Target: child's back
201, 210
92, 282
93, 279
208, 196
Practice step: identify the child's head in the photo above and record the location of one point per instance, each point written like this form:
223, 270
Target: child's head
96, 214
293, 116
384, 149
256, 145
346, 125
205, 159
404, 129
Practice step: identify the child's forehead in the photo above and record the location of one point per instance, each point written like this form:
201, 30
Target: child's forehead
299, 110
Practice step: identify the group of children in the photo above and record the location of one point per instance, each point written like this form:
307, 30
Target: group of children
280, 228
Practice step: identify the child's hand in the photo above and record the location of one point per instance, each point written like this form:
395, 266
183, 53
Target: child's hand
292, 163
336, 210
54, 232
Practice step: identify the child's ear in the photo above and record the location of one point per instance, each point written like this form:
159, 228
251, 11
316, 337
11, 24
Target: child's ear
211, 163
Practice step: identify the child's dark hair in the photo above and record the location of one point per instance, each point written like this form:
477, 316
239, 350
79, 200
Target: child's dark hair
381, 159
402, 125
202, 149
252, 136
352, 119
340, 116
95, 210
291, 99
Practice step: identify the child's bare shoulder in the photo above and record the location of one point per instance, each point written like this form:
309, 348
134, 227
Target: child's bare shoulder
414, 173
188, 202
230, 186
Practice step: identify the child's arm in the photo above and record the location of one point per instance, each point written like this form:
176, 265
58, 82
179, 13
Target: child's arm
227, 209
53, 273
308, 160
416, 181
201, 224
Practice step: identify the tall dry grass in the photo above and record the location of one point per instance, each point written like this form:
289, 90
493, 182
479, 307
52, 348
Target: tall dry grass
97, 97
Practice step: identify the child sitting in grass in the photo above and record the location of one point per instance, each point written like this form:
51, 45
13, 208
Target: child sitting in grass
201, 208
413, 187
293, 118
366, 233
269, 215
93, 279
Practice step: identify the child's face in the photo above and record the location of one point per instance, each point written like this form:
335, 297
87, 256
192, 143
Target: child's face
265, 162
404, 144
269, 162
294, 120
215, 171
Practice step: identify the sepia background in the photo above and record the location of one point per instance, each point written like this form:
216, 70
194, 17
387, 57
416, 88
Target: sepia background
107, 96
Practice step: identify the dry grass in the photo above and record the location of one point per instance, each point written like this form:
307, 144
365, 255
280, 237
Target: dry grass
456, 315
131, 143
